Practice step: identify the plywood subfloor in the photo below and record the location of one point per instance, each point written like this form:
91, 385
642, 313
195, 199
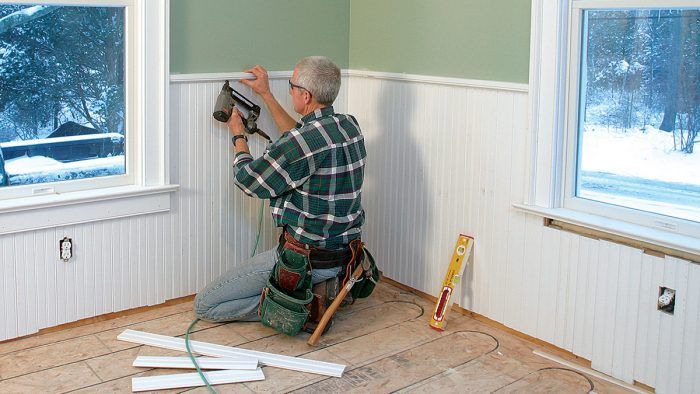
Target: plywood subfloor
384, 340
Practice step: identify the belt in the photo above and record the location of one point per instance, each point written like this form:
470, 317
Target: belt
319, 258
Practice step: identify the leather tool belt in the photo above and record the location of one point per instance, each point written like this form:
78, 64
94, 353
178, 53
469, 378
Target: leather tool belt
318, 257
290, 302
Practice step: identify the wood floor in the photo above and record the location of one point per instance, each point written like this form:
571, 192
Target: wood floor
384, 340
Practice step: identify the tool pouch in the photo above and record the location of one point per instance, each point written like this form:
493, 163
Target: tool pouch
368, 281
291, 272
283, 312
284, 305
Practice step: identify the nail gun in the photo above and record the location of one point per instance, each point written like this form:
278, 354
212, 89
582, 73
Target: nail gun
229, 98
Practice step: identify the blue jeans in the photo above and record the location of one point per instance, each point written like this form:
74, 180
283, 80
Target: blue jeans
235, 295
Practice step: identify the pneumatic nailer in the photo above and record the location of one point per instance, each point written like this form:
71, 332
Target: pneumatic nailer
229, 98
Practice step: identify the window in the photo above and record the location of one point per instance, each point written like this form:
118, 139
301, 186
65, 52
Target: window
62, 97
634, 113
615, 118
83, 106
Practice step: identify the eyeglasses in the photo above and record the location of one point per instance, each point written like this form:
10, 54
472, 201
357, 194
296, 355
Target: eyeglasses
293, 85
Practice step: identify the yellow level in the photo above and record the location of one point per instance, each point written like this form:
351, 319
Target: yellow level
463, 249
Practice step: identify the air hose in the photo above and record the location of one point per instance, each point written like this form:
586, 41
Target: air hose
189, 329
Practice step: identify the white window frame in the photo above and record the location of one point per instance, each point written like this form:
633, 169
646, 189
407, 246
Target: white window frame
145, 187
555, 52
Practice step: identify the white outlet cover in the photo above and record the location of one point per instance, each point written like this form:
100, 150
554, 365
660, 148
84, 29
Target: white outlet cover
66, 249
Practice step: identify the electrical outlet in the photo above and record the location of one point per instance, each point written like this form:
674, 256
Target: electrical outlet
65, 249
667, 300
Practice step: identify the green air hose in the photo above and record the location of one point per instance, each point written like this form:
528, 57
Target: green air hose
260, 218
189, 329
194, 360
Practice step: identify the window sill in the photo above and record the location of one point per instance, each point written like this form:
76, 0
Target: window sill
39, 212
665, 239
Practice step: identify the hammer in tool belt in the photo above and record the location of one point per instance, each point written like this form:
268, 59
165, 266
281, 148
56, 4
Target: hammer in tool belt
364, 266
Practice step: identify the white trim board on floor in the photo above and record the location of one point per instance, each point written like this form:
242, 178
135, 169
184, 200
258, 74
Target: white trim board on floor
161, 382
203, 362
214, 350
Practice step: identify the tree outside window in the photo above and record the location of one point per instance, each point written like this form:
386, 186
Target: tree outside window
640, 110
62, 83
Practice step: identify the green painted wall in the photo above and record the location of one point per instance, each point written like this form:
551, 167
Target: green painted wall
231, 35
475, 39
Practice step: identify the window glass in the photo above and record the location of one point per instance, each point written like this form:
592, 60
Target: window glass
62, 81
639, 110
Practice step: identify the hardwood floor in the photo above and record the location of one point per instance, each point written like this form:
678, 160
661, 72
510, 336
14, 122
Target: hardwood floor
385, 342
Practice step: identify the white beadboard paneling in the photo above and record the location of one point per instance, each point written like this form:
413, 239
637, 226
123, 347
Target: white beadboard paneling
144, 260
9, 294
489, 223
215, 223
562, 262
629, 321
24, 288
648, 322
606, 296
671, 329
690, 357
501, 205
547, 285
532, 268
444, 157
567, 300
618, 303
515, 287
586, 293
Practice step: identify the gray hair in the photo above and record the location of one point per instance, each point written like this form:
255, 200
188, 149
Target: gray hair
320, 76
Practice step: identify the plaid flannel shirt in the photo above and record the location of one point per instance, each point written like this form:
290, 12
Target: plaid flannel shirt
313, 177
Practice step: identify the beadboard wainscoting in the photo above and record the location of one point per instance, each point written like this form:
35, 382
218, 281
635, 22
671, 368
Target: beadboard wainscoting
446, 157
145, 260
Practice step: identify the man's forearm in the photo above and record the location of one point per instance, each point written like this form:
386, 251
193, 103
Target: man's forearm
282, 119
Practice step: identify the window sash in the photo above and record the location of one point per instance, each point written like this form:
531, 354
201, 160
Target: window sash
565, 194
133, 126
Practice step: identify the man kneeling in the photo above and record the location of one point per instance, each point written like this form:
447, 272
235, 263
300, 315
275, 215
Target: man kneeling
312, 176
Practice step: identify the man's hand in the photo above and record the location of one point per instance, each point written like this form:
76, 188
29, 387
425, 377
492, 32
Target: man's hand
260, 84
235, 123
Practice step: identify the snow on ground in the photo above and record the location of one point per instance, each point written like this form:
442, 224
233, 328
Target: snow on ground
676, 210
39, 169
639, 169
115, 137
636, 153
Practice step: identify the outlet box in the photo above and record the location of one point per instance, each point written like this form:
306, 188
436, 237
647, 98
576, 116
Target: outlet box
667, 300
65, 249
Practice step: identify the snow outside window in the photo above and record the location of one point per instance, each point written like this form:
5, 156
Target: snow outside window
633, 124
64, 114
83, 111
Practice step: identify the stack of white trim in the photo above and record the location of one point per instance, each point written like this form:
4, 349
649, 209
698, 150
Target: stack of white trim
232, 365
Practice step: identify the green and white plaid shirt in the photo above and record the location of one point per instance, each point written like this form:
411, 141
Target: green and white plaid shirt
313, 177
